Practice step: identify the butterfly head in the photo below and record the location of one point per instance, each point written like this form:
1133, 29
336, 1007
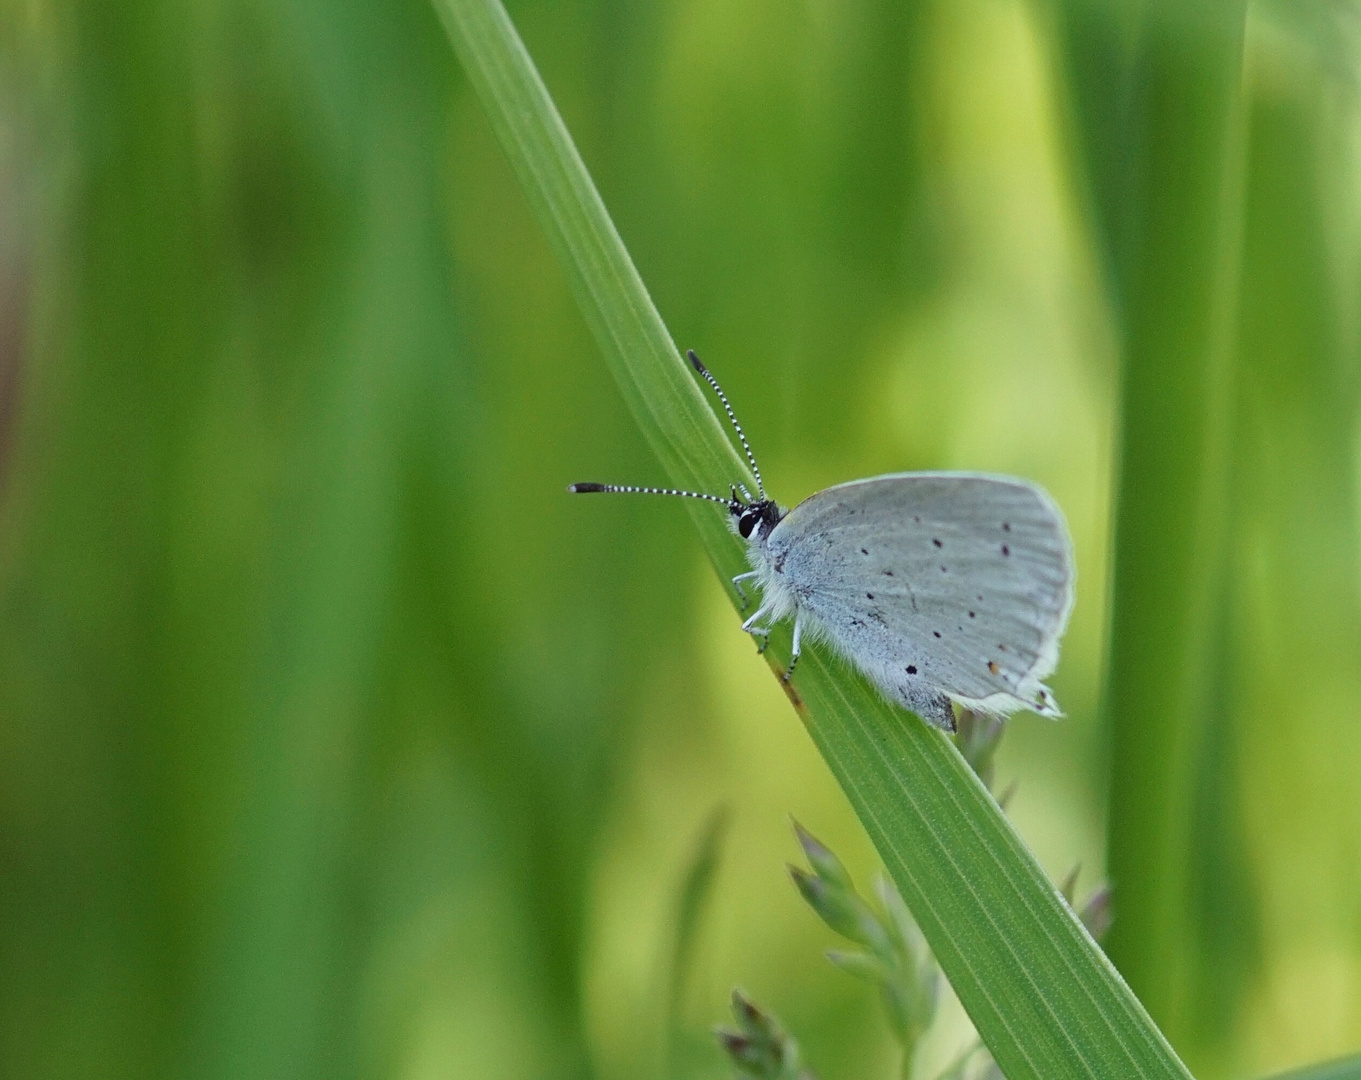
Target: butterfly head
754, 520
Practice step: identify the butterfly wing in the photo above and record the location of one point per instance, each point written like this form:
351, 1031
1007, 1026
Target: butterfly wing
939, 586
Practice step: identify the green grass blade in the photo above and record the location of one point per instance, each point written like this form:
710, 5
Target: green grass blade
657, 384
693, 897
1041, 993
692, 901
1176, 385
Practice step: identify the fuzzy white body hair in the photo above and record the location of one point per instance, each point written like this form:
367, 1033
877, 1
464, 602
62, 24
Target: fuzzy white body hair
778, 601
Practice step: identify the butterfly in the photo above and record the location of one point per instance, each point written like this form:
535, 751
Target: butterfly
942, 588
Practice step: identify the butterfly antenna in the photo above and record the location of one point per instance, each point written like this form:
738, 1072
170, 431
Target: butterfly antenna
586, 489
751, 458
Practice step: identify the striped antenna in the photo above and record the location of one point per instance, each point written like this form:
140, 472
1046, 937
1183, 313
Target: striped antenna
586, 489
751, 458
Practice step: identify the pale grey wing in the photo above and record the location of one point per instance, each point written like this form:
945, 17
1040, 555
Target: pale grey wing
936, 583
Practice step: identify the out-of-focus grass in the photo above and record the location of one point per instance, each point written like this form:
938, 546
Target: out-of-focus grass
1178, 272
314, 686
1346, 1069
1291, 716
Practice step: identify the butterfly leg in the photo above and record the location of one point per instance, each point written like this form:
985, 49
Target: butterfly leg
737, 584
760, 613
762, 632
751, 627
794, 653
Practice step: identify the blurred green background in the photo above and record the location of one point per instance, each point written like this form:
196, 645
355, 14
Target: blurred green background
336, 741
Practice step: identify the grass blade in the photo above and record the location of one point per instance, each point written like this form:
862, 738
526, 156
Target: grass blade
1181, 267
691, 903
1041, 993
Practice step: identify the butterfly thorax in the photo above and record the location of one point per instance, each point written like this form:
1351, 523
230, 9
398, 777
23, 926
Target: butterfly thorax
755, 522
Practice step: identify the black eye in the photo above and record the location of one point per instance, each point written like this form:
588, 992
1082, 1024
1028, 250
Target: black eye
745, 524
